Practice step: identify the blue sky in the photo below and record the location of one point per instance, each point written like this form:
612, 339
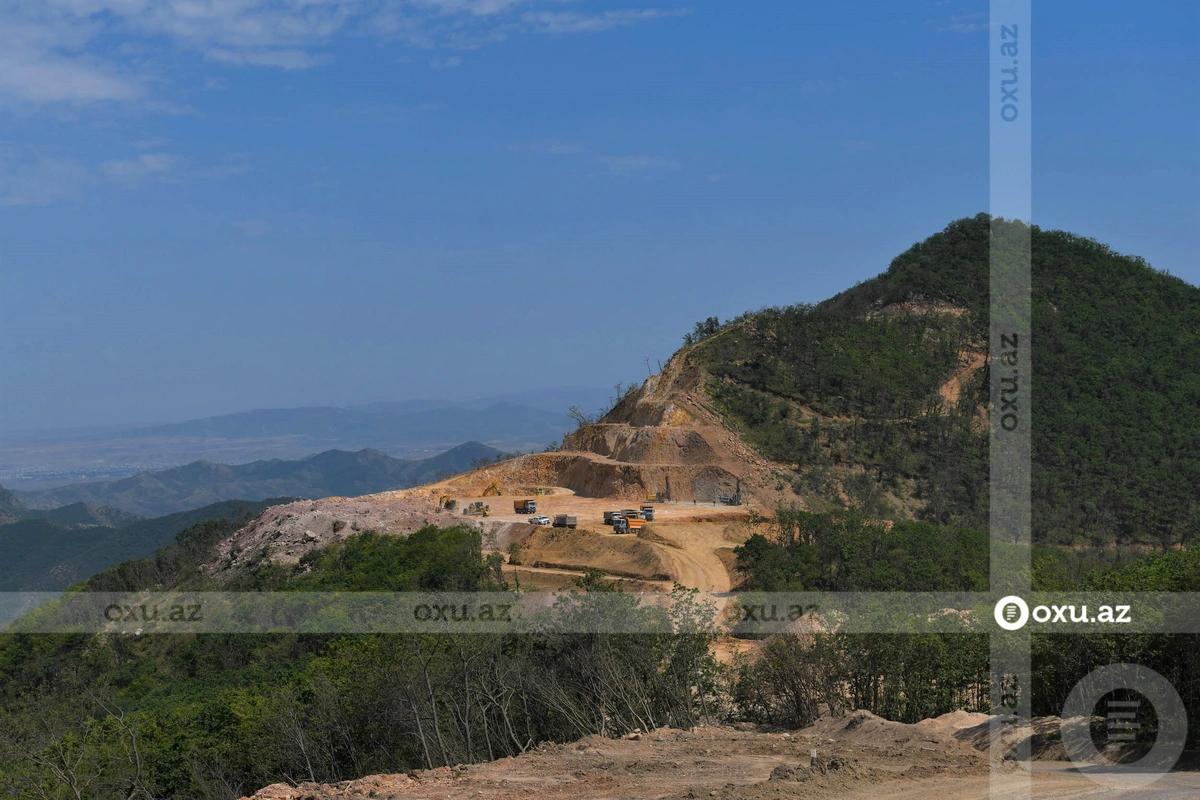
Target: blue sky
208, 206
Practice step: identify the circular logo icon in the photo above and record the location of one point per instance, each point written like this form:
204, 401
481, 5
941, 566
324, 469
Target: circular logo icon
1012, 613
1121, 723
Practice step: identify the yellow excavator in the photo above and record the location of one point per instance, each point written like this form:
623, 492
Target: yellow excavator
493, 489
447, 502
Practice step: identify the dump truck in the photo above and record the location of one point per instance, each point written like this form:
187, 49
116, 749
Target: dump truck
648, 513
525, 506
610, 516
631, 513
478, 508
627, 525
565, 521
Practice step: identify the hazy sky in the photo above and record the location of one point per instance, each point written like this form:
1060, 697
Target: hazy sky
208, 206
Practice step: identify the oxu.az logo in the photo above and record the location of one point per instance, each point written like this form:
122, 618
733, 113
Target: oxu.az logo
1012, 613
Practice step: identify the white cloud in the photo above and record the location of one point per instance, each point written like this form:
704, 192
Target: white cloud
40, 181
43, 77
146, 165
611, 163
285, 58
479, 8
547, 146
635, 163
38, 176
963, 23
215, 84
48, 52
151, 143
575, 22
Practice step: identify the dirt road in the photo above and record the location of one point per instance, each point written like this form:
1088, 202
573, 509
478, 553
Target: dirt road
691, 549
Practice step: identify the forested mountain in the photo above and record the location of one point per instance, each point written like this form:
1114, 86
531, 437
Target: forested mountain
877, 397
51, 550
11, 508
335, 472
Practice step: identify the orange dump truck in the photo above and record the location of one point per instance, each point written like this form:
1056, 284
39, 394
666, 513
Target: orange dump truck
525, 506
628, 524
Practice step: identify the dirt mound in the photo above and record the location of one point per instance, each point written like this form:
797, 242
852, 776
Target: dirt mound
856, 757
1040, 739
863, 727
371, 786
954, 721
579, 550
702, 762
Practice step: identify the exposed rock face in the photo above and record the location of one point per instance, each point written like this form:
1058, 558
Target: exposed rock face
283, 534
664, 438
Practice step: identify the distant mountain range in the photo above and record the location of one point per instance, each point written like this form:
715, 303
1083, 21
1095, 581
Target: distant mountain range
50, 550
334, 472
407, 429
381, 425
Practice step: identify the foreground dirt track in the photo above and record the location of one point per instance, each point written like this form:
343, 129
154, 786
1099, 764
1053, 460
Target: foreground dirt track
860, 757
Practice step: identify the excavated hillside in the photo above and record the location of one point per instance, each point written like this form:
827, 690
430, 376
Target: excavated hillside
664, 438
877, 398
686, 434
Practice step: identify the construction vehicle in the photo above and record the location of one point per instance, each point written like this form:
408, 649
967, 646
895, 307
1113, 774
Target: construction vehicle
631, 513
564, 521
525, 506
494, 488
541, 491
478, 508
652, 497
610, 516
447, 502
648, 513
628, 525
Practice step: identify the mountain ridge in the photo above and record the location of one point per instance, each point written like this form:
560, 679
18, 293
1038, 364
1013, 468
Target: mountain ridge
330, 473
